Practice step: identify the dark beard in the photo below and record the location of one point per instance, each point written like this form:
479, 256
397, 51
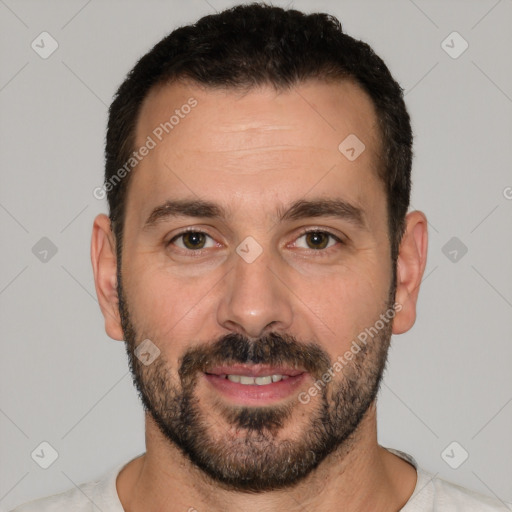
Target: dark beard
256, 461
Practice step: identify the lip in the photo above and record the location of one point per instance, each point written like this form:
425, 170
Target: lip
254, 394
254, 370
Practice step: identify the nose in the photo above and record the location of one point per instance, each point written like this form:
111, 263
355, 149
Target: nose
255, 298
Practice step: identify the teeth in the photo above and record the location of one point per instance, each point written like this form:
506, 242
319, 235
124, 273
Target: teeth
259, 381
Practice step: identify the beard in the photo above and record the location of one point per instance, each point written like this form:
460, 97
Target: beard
244, 448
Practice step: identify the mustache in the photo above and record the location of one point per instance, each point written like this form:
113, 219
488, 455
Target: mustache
273, 349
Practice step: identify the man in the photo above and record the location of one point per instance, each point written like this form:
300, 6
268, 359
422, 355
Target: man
257, 258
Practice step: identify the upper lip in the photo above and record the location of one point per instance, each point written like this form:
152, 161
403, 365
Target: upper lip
254, 370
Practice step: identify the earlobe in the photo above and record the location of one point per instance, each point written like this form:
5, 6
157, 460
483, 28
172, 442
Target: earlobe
412, 259
104, 265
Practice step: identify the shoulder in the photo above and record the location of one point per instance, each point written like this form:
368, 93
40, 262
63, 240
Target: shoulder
73, 499
433, 493
450, 496
100, 494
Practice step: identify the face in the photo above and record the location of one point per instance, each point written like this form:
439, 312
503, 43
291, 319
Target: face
256, 258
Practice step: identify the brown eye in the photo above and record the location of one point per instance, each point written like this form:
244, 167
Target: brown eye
317, 240
192, 240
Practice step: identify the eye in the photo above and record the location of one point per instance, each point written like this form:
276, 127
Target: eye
317, 240
192, 240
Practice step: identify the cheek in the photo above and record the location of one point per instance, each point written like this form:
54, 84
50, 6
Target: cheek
342, 304
168, 308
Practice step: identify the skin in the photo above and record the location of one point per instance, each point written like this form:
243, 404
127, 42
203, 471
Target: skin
252, 153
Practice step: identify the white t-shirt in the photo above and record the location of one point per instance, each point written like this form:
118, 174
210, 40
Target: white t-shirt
431, 494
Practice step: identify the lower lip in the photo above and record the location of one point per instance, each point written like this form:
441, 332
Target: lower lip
253, 394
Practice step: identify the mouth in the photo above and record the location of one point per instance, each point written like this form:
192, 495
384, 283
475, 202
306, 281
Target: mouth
255, 384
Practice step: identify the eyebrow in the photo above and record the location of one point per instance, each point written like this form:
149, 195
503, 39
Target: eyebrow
300, 209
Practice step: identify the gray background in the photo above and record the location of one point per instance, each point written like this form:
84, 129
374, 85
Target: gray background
65, 382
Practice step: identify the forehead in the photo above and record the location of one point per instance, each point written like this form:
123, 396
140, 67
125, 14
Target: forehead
316, 111
253, 145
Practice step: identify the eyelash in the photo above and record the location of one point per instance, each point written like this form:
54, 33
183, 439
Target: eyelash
318, 252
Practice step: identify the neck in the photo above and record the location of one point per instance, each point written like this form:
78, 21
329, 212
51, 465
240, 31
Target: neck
359, 476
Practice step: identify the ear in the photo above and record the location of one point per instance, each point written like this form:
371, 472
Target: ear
104, 266
412, 259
